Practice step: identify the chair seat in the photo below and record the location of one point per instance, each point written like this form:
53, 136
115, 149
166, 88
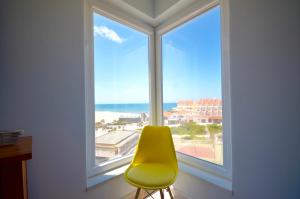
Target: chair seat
150, 175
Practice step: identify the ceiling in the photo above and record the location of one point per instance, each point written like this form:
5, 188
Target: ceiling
153, 12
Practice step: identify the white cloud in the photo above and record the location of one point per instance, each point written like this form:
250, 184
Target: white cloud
110, 34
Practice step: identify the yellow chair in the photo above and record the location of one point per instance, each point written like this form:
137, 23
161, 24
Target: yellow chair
154, 166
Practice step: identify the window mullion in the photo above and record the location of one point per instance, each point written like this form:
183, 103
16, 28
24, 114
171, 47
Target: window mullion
152, 79
158, 73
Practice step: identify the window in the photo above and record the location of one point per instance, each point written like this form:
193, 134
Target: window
176, 74
191, 62
121, 88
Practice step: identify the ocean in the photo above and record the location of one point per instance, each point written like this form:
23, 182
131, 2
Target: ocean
130, 108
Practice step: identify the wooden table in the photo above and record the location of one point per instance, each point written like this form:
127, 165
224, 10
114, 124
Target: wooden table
13, 174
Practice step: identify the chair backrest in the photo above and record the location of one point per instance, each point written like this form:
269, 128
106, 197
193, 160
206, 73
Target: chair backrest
156, 146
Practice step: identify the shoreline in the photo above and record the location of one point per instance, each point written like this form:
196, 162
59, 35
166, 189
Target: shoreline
110, 116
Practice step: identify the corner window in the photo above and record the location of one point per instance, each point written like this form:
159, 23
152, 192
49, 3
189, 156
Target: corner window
176, 74
192, 86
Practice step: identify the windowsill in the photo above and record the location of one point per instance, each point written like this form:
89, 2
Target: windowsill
210, 177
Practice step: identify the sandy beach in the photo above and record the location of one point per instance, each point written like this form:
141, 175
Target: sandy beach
109, 116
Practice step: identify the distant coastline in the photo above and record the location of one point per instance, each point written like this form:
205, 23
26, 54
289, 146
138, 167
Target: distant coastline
130, 108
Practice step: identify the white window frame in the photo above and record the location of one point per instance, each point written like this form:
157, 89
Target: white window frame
217, 174
98, 173
220, 175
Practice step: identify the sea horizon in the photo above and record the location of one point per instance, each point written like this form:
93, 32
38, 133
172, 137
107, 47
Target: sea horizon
131, 107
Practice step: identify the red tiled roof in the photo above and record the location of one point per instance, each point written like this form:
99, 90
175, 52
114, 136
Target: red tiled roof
209, 102
167, 114
201, 102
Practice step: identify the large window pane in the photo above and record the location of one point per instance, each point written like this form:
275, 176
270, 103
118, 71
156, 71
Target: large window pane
121, 87
191, 58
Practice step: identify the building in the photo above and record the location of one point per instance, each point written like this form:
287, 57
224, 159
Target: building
130, 119
202, 111
115, 143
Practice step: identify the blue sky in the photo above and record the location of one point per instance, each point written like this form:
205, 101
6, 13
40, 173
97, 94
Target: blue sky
191, 61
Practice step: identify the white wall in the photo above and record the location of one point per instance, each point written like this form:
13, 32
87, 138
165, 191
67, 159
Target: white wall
146, 6
161, 6
42, 91
265, 68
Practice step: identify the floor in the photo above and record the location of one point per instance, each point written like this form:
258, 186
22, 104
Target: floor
156, 195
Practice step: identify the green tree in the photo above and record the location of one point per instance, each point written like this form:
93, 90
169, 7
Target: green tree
214, 129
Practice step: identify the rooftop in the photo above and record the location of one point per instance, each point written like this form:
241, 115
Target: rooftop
113, 138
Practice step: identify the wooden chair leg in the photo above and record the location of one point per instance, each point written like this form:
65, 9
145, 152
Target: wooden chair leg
169, 190
137, 193
143, 192
161, 193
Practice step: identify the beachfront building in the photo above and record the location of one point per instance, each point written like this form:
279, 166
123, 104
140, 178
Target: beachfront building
132, 118
117, 134
115, 143
203, 111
